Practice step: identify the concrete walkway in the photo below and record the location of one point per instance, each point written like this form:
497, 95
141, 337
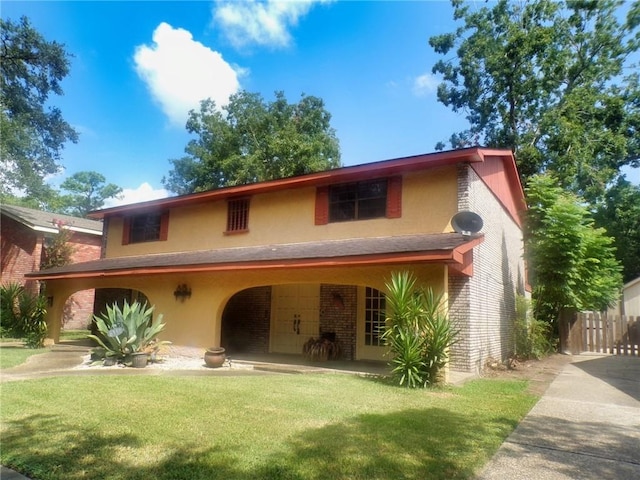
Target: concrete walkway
586, 426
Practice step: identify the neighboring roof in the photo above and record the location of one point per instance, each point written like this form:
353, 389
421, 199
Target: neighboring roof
433, 248
48, 222
345, 174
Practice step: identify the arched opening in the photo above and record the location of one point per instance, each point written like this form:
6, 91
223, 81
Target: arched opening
282, 318
109, 296
77, 313
246, 320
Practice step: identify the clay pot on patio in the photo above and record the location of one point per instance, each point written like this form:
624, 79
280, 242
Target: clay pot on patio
214, 357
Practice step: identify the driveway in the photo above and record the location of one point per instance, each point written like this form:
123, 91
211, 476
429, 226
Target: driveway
586, 426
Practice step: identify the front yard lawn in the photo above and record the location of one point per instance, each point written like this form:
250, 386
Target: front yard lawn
11, 356
317, 427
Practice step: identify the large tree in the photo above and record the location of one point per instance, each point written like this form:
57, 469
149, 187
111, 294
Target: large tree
87, 192
619, 213
251, 140
32, 133
572, 263
554, 82
550, 80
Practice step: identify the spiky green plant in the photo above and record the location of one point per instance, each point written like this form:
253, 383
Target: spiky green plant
417, 331
23, 314
127, 330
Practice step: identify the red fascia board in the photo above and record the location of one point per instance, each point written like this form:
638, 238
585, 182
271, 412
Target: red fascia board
344, 174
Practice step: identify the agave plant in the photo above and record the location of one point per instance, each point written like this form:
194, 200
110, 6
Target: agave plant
127, 330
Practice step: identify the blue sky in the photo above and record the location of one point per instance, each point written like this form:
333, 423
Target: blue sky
139, 67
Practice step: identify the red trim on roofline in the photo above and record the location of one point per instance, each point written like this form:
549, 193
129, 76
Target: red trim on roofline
344, 174
453, 256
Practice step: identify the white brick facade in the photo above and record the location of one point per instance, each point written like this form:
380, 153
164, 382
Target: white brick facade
483, 306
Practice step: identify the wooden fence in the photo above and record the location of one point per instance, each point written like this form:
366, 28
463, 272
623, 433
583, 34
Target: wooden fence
597, 332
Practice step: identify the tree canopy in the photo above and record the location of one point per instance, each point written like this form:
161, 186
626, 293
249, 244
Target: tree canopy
555, 82
32, 132
572, 263
552, 81
251, 140
619, 213
87, 192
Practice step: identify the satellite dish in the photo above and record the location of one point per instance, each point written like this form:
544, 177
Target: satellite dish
466, 222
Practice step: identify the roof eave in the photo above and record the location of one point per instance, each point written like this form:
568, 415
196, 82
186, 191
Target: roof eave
381, 168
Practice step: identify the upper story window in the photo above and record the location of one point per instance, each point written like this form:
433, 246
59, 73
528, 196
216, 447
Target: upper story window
358, 201
362, 200
238, 215
145, 227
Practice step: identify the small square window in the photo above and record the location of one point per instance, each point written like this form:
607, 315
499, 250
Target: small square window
238, 215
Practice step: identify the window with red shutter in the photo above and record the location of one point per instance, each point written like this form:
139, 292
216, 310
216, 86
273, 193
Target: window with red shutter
363, 200
145, 227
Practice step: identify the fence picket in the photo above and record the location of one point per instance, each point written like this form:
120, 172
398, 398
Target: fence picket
605, 337
625, 334
602, 333
634, 335
597, 330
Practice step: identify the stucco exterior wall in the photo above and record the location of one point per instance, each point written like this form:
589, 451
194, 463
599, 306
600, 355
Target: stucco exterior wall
196, 321
483, 306
428, 202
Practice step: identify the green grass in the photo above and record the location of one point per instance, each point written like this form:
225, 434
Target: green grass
253, 427
10, 356
73, 334
13, 355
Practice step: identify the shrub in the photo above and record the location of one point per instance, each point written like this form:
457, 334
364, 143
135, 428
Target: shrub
127, 330
417, 331
23, 314
534, 338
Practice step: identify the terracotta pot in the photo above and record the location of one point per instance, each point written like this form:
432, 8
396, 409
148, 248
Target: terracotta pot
214, 357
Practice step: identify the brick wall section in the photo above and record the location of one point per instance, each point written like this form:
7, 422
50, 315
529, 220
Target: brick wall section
483, 306
78, 309
338, 307
246, 321
21, 249
21, 253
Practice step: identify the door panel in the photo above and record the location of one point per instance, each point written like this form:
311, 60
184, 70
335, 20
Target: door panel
295, 316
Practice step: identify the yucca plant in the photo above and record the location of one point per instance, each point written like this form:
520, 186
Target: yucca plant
417, 331
23, 314
127, 330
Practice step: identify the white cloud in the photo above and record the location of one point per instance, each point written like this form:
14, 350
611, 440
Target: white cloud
180, 72
425, 84
143, 193
261, 22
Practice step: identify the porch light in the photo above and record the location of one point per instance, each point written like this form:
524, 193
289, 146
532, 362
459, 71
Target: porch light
182, 292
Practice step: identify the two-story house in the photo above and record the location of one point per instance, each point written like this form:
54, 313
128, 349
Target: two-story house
263, 267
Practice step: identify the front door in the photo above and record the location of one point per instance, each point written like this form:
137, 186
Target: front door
295, 316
